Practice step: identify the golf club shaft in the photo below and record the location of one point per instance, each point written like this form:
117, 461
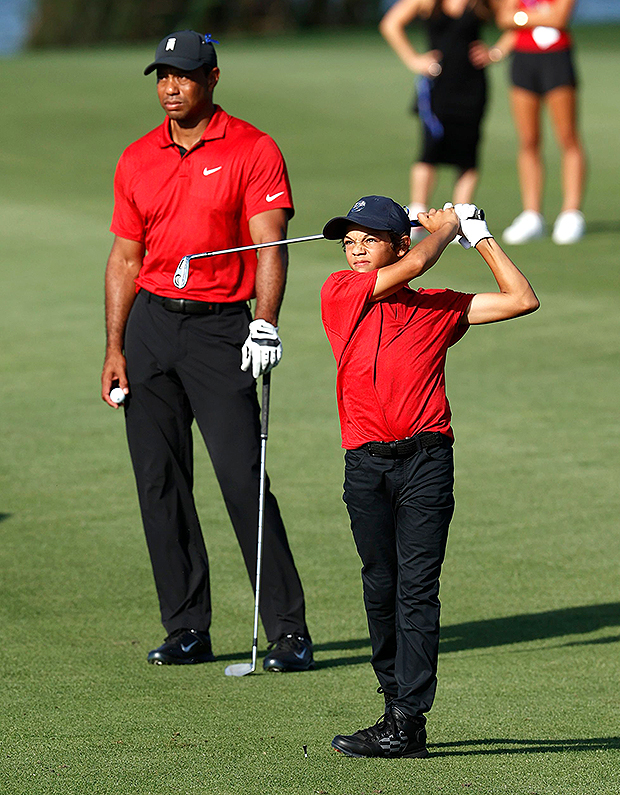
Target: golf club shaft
255, 246
479, 215
261, 507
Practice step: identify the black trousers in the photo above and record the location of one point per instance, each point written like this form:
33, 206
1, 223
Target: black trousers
183, 367
400, 510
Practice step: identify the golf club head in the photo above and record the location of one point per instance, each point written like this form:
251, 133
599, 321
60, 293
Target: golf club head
240, 669
181, 274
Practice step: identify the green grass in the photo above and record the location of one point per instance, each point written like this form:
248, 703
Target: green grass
528, 693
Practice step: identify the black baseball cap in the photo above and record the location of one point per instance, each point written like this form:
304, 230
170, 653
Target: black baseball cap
375, 212
186, 50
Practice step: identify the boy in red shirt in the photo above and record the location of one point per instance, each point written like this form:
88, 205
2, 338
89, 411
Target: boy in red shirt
390, 344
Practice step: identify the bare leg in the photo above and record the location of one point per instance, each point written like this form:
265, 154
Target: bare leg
465, 186
526, 112
422, 183
563, 109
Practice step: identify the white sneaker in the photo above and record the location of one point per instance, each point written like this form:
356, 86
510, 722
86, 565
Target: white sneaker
527, 226
568, 228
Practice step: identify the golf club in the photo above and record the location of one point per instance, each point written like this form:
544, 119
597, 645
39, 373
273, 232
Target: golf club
181, 274
242, 669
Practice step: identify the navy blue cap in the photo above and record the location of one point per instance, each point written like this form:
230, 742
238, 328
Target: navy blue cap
186, 50
375, 212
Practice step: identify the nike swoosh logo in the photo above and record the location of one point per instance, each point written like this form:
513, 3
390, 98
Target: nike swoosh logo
191, 646
300, 656
271, 198
208, 171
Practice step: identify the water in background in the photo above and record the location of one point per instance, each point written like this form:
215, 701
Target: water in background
15, 18
597, 11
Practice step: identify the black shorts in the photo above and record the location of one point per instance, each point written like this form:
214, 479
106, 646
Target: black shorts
457, 147
541, 72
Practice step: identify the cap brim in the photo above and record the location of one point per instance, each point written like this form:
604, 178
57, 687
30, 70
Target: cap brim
186, 64
336, 228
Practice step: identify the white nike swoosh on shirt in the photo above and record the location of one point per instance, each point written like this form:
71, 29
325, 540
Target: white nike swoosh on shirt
271, 198
208, 171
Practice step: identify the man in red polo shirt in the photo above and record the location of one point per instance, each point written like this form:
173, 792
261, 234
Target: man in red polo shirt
183, 346
390, 345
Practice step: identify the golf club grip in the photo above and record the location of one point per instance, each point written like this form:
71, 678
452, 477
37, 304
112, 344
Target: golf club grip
477, 216
264, 425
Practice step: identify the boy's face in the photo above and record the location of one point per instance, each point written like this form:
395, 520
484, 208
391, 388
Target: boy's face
370, 249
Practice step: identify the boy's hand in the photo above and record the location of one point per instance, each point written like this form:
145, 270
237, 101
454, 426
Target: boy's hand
472, 229
433, 220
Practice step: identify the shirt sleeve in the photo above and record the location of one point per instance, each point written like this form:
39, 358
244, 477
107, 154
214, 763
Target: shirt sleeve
268, 186
456, 305
127, 220
344, 297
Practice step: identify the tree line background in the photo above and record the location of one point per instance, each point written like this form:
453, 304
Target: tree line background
75, 22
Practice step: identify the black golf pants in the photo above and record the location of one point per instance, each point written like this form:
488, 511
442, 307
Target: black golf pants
400, 510
183, 367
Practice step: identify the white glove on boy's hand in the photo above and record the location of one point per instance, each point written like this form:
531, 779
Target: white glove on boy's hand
473, 230
459, 238
262, 350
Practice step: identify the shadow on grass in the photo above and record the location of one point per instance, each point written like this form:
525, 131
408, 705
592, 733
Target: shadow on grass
502, 632
532, 626
4, 516
507, 746
597, 227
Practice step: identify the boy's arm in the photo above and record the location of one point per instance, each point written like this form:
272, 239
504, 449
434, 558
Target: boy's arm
515, 296
443, 226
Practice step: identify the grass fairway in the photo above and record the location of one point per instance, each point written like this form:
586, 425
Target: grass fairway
529, 670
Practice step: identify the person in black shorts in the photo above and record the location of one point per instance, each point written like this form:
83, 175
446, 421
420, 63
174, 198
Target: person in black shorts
542, 71
451, 89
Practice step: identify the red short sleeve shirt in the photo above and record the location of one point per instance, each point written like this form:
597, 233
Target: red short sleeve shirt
201, 201
391, 357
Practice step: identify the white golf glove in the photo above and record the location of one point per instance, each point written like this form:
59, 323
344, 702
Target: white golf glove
472, 229
262, 350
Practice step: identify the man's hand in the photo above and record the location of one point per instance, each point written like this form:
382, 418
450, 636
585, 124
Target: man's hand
114, 373
262, 350
472, 230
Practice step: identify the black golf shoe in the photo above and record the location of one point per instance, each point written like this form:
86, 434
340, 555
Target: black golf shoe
183, 647
289, 653
388, 697
394, 736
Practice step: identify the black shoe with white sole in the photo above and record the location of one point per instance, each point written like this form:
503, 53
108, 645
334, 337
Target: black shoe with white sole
289, 653
394, 736
183, 647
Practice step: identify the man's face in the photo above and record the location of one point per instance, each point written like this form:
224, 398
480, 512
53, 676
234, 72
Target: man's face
370, 249
186, 97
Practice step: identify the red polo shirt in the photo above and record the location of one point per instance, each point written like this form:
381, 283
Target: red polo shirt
201, 201
391, 356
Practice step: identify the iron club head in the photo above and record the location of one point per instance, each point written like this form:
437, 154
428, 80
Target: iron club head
240, 669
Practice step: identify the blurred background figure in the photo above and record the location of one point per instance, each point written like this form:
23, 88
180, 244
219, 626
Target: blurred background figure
542, 71
451, 89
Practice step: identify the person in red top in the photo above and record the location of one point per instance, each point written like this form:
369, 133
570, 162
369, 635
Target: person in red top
181, 343
390, 343
542, 71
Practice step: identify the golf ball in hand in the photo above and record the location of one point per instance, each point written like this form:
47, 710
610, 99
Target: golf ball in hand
117, 395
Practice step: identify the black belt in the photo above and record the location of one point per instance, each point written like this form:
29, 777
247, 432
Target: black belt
406, 447
192, 307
